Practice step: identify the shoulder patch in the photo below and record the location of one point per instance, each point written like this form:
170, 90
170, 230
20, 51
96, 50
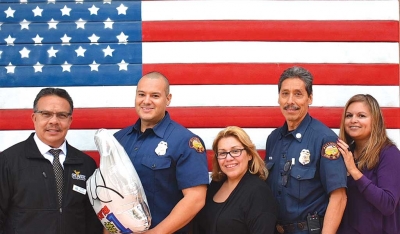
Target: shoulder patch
195, 143
330, 151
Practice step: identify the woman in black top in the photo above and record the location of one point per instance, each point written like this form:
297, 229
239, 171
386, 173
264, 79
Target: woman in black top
238, 200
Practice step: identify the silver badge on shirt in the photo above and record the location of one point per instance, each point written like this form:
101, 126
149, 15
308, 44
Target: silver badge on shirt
304, 157
161, 148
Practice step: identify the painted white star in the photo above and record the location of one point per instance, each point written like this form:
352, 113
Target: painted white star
122, 9
122, 38
24, 24
108, 23
0, 25
52, 52
108, 51
66, 67
9, 12
24, 53
65, 39
51, 1
107, 2
79, 1
52, 23
10, 68
93, 39
23, 1
37, 40
10, 40
37, 11
123, 65
65, 11
93, 10
38, 67
80, 52
80, 23
94, 66
1, 53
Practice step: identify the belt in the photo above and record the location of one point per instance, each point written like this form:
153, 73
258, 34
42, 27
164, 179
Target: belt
291, 227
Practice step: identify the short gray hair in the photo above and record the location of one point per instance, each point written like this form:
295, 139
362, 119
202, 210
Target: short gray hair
297, 72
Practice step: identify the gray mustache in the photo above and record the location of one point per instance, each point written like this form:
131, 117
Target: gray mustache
292, 107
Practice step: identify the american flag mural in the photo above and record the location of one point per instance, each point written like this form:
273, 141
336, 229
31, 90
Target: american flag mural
223, 60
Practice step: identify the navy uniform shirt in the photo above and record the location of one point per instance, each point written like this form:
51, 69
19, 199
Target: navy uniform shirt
167, 158
316, 170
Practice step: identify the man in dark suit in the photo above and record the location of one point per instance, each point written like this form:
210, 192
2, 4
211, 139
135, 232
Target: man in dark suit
34, 196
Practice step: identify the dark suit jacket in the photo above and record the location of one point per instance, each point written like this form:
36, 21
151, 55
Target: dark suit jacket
28, 194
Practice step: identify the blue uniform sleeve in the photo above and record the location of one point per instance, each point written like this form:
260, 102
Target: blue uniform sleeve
191, 168
332, 168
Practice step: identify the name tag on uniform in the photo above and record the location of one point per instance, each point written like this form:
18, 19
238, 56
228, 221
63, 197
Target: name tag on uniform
79, 189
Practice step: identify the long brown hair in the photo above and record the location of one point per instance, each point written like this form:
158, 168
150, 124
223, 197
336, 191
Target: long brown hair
369, 156
256, 165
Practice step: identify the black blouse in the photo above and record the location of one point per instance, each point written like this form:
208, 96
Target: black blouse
250, 208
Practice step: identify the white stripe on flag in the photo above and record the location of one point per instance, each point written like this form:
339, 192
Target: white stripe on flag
201, 95
270, 52
270, 10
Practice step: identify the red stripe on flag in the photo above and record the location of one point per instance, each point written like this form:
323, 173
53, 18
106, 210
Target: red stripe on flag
274, 30
190, 117
324, 74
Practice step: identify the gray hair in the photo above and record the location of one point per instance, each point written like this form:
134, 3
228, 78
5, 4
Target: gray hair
297, 72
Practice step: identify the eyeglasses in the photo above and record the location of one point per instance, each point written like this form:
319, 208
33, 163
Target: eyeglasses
232, 153
284, 174
49, 114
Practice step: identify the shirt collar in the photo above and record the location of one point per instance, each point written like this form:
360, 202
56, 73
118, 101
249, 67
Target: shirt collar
159, 129
43, 148
298, 133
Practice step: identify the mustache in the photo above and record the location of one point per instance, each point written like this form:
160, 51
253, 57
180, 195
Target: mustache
52, 126
291, 107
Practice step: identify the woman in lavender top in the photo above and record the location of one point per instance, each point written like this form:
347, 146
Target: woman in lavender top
373, 166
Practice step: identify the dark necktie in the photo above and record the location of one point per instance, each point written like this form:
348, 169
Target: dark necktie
59, 173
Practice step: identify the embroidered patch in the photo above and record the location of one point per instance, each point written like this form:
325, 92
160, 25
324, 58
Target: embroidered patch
195, 143
330, 151
77, 176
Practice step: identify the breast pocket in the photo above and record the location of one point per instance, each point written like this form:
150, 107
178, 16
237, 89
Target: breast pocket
301, 182
160, 172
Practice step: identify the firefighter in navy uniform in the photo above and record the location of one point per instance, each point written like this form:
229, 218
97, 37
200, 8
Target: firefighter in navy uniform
306, 173
170, 160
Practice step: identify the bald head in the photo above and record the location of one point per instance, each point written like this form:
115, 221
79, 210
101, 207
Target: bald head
157, 75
